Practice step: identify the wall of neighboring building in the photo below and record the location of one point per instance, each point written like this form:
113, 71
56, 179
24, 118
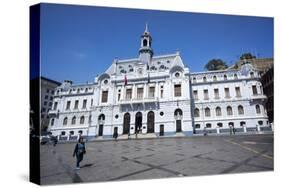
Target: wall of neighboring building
47, 93
218, 104
267, 80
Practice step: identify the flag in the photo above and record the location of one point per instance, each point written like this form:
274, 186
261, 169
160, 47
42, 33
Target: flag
126, 80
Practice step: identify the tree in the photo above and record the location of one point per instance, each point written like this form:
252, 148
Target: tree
216, 64
247, 56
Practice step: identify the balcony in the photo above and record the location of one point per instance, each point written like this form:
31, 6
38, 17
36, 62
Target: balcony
139, 100
258, 97
52, 111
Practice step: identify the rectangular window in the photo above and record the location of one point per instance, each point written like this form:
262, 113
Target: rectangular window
128, 94
226, 91
216, 91
237, 90
47, 90
104, 96
84, 103
50, 103
206, 94
195, 94
45, 103
151, 92
255, 91
68, 105
76, 104
55, 105
46, 96
177, 90
139, 93
161, 93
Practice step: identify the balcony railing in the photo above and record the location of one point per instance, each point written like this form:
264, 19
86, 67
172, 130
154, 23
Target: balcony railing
258, 96
138, 100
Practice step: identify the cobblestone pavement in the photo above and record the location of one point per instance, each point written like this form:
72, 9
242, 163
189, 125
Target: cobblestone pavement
157, 158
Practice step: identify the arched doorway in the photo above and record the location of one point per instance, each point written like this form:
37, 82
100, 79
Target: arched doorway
178, 117
101, 123
138, 122
126, 123
150, 122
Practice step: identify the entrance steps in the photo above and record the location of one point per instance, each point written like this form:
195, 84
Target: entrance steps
139, 136
179, 134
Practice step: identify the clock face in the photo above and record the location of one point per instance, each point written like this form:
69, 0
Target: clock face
140, 71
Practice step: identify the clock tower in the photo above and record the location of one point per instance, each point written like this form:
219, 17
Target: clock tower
145, 51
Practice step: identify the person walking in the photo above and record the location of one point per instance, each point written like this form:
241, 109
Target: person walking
115, 135
79, 152
55, 140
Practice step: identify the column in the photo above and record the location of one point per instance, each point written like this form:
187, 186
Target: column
157, 89
218, 130
245, 129
145, 91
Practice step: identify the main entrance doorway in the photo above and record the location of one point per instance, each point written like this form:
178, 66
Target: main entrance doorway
178, 117
138, 122
100, 130
161, 130
126, 123
150, 122
100, 124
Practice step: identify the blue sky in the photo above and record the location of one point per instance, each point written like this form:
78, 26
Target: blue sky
79, 42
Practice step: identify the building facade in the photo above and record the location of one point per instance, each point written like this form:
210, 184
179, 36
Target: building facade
158, 96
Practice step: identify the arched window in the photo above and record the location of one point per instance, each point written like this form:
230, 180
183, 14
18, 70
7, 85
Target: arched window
194, 79
209, 125
242, 123
240, 110
71, 132
260, 122
229, 111
197, 126
144, 42
252, 74
65, 121
207, 112
196, 112
62, 133
235, 76
225, 77
73, 121
218, 111
82, 119
52, 122
178, 112
204, 79
219, 124
215, 78
102, 117
80, 132
258, 109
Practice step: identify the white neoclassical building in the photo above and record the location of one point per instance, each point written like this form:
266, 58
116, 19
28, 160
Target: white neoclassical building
158, 96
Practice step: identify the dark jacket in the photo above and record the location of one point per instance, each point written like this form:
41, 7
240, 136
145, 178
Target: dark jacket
79, 149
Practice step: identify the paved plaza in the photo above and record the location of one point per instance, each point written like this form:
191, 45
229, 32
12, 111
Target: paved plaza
157, 158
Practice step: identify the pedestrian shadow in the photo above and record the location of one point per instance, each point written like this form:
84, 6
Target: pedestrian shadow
87, 165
